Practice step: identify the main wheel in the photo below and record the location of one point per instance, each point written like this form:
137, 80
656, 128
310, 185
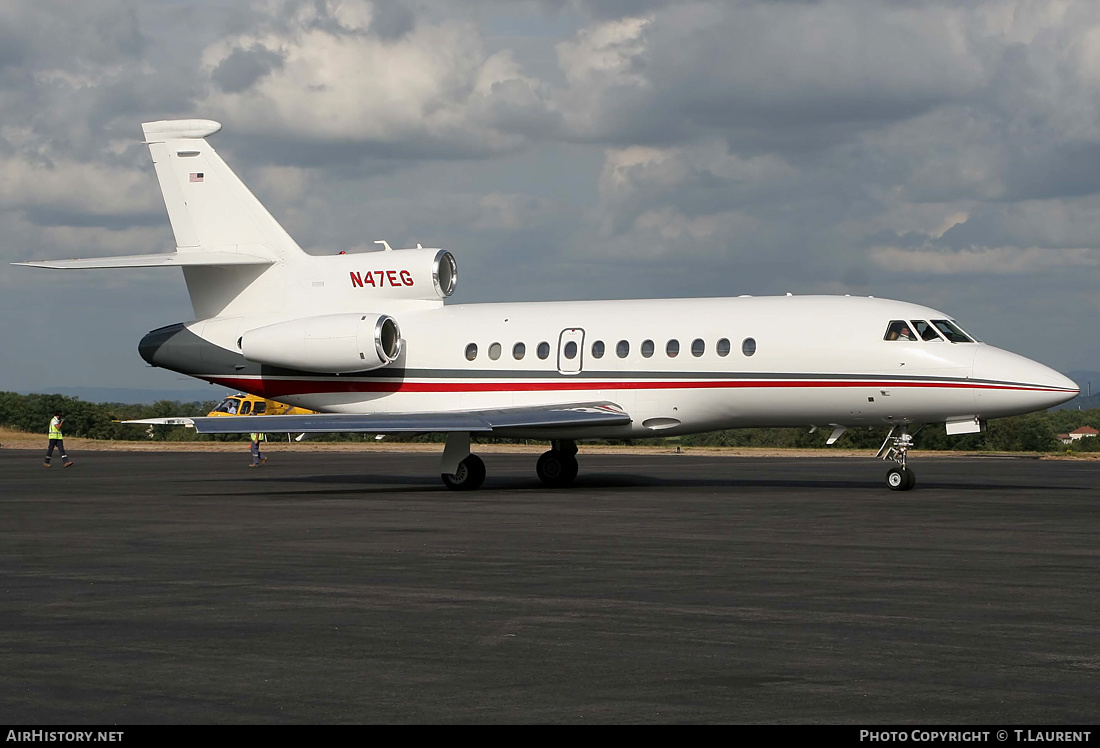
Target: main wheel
469, 476
900, 478
556, 469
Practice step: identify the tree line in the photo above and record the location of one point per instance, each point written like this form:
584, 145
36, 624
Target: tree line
1035, 432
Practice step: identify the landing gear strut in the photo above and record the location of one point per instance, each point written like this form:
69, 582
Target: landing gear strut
900, 477
558, 467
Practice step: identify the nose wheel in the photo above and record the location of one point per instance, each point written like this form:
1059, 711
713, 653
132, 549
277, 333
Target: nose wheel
900, 478
896, 448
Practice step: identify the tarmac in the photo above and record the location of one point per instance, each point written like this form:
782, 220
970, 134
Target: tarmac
333, 588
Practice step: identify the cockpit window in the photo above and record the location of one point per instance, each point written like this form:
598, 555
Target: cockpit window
951, 331
925, 330
899, 330
228, 405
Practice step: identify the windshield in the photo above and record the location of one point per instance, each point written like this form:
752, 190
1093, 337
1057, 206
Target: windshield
228, 405
951, 331
925, 330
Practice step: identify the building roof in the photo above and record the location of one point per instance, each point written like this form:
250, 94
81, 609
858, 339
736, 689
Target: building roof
1085, 431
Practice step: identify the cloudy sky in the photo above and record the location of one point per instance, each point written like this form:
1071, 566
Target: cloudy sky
946, 153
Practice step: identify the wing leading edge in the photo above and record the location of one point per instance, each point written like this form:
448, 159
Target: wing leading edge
474, 421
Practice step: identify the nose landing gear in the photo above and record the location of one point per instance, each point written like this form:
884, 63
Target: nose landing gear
900, 477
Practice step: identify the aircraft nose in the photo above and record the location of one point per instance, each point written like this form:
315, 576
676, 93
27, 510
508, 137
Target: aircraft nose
1015, 384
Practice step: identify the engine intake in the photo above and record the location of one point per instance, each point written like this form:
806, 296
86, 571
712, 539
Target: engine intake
331, 343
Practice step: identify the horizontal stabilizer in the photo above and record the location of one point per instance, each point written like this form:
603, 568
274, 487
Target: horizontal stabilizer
164, 260
475, 421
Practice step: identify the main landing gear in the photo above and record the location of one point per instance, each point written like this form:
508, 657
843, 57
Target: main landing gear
468, 476
900, 477
558, 467
463, 471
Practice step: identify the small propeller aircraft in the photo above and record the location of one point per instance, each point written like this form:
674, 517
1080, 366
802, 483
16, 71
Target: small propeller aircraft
367, 340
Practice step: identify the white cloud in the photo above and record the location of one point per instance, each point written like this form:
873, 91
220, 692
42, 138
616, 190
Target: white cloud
434, 86
82, 191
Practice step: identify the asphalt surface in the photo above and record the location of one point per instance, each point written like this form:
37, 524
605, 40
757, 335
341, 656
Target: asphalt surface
140, 588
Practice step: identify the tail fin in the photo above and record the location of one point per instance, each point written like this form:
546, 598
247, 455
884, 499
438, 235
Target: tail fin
213, 213
236, 258
208, 205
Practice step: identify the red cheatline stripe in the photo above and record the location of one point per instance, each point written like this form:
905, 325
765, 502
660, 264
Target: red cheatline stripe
274, 387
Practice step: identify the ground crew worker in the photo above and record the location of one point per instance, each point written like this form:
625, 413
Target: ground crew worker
57, 440
257, 456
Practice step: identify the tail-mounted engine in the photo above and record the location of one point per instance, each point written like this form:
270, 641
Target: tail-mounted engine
331, 343
420, 273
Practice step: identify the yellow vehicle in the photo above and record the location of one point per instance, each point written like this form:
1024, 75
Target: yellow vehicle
241, 404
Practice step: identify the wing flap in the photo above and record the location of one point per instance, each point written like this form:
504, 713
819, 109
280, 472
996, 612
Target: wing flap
474, 421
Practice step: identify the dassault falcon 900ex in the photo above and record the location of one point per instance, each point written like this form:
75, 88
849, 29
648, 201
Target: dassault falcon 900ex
367, 340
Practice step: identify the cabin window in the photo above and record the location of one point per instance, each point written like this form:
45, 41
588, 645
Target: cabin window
518, 351
261, 407
494, 351
622, 349
672, 348
951, 331
246, 408
471, 351
570, 351
698, 347
543, 350
748, 346
925, 330
647, 348
723, 347
898, 329
597, 349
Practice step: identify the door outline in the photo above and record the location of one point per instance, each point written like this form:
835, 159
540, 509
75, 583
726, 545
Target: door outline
571, 335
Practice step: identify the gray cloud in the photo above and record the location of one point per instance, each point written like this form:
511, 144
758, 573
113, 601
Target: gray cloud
243, 67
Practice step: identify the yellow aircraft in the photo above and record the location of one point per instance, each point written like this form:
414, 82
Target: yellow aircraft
241, 404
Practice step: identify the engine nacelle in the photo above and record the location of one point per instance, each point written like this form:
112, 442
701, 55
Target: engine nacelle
331, 343
420, 273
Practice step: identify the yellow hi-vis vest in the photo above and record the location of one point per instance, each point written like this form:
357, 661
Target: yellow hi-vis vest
55, 428
258, 437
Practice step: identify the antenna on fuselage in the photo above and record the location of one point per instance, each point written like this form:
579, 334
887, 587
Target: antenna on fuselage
385, 244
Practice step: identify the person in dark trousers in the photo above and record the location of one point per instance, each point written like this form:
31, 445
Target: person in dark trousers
257, 456
57, 440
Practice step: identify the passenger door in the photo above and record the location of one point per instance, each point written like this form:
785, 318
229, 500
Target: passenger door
570, 350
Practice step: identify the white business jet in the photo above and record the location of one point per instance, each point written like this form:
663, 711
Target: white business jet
367, 340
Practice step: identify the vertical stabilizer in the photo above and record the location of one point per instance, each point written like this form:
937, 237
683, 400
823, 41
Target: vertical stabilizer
211, 210
208, 205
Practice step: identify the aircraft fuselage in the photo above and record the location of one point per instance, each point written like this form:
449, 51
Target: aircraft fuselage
676, 365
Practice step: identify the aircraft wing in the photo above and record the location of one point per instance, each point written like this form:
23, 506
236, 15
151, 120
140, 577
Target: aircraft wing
476, 421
